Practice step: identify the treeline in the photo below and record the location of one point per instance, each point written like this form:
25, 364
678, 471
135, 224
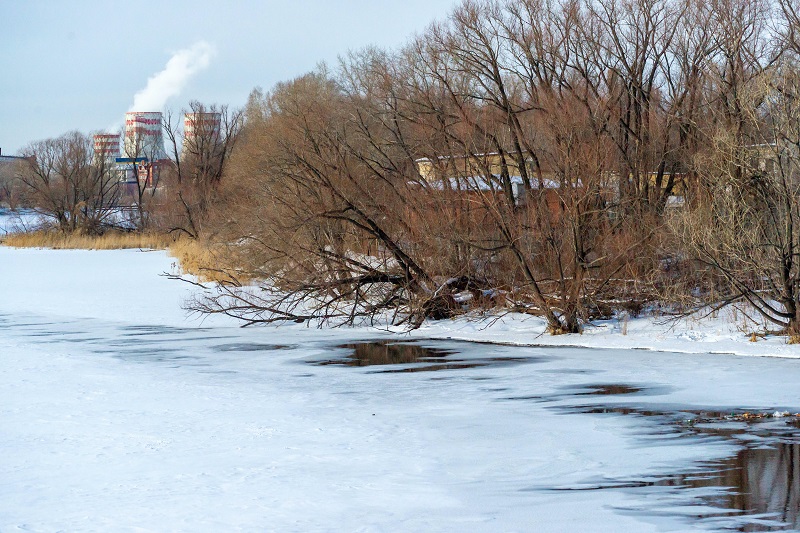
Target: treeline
568, 159
162, 187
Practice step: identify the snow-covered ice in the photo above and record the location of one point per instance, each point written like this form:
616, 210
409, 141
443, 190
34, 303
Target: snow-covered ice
120, 413
17, 220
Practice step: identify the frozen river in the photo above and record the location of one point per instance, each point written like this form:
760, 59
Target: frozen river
117, 413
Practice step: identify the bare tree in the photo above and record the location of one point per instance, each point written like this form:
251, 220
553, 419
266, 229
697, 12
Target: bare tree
10, 186
529, 148
527, 102
200, 152
310, 215
64, 181
743, 227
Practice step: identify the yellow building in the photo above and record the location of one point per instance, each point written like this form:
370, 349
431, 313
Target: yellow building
477, 165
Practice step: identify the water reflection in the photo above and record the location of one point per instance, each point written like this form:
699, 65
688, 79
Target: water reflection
389, 353
251, 347
412, 357
611, 389
760, 485
763, 482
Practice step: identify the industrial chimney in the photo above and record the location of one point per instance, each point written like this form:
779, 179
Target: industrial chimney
144, 136
106, 147
200, 128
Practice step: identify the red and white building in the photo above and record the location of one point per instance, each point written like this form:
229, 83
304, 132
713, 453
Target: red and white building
200, 126
144, 135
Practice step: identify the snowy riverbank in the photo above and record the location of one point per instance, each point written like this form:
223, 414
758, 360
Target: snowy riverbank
118, 412
129, 285
723, 334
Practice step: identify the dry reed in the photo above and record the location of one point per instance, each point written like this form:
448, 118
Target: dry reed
112, 240
195, 257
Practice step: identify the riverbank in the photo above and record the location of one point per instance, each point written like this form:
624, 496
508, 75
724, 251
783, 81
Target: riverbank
729, 332
133, 283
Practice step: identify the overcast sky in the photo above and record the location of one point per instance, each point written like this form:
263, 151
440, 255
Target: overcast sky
68, 65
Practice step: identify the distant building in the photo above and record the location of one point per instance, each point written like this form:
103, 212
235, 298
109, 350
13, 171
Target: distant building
106, 147
8, 162
144, 135
470, 165
9, 158
476, 172
200, 127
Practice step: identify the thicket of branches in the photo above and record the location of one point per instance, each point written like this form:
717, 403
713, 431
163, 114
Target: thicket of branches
199, 162
62, 179
527, 153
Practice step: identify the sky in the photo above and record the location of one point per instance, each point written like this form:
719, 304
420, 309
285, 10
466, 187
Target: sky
80, 65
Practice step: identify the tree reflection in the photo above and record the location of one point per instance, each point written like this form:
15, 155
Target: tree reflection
761, 481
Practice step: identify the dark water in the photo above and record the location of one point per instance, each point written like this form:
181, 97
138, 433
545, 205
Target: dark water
413, 357
761, 482
252, 347
757, 489
135, 331
602, 389
610, 390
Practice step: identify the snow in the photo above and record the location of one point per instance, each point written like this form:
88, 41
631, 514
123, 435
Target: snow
121, 285
16, 220
727, 333
118, 412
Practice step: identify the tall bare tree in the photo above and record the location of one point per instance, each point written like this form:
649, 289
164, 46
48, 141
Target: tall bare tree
200, 151
65, 182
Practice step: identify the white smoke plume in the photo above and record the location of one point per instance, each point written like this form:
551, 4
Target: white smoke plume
169, 82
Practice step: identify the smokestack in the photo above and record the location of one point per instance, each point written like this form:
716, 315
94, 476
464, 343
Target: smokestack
144, 135
106, 146
204, 126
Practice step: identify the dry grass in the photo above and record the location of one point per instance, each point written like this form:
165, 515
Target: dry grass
109, 241
197, 257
